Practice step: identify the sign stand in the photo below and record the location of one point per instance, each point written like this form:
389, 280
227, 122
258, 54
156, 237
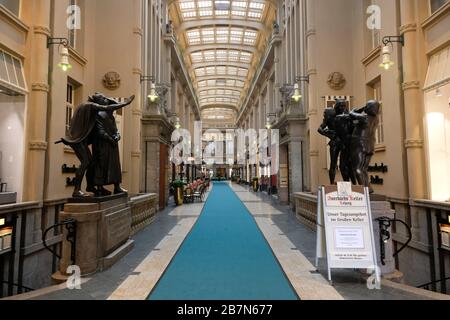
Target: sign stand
345, 234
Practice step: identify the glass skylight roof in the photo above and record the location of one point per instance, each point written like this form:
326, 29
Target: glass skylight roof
242, 9
220, 92
221, 83
222, 35
221, 55
221, 75
221, 71
219, 100
219, 114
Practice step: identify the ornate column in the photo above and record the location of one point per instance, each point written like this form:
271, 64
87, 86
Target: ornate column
136, 107
413, 102
313, 113
36, 141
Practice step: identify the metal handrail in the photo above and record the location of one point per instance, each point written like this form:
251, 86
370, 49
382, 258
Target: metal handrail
385, 223
27, 289
71, 226
432, 283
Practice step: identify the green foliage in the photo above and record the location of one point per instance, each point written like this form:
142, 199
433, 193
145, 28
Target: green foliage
178, 184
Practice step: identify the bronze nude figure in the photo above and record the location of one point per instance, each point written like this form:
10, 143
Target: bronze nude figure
352, 140
337, 126
363, 141
85, 130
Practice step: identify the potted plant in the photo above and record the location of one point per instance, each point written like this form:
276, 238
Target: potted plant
178, 195
255, 184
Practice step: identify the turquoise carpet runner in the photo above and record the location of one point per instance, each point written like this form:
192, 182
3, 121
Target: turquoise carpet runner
225, 257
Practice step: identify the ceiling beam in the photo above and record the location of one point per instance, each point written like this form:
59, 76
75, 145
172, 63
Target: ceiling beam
221, 64
234, 89
219, 106
200, 89
217, 77
223, 46
219, 96
200, 23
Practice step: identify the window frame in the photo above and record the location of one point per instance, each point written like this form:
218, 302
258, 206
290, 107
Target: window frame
72, 33
19, 10
70, 105
430, 7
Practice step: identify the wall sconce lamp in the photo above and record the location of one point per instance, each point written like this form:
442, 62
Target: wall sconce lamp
174, 119
269, 117
387, 63
297, 94
153, 95
64, 52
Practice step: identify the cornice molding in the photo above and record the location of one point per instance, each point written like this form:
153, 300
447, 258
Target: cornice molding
374, 54
13, 19
437, 16
75, 55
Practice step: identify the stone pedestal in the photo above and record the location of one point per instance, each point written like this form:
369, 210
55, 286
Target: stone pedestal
102, 234
381, 208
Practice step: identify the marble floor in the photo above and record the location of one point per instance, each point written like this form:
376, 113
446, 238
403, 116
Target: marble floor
134, 276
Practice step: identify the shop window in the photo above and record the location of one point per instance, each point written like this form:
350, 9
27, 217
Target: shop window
437, 110
12, 114
435, 5
11, 5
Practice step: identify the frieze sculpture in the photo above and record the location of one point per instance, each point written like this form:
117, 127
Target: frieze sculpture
93, 124
352, 140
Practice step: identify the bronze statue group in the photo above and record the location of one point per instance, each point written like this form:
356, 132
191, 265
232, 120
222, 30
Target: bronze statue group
94, 137
352, 140
93, 126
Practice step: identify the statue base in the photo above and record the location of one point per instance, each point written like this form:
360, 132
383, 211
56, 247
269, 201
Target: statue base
102, 234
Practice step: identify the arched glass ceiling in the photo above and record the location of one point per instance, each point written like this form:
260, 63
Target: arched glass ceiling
230, 56
222, 41
243, 9
222, 114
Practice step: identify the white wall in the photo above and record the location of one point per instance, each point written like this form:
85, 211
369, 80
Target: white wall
438, 142
12, 113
